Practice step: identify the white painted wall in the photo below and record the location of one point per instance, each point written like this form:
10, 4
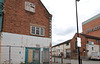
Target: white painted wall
61, 48
89, 47
67, 46
20, 40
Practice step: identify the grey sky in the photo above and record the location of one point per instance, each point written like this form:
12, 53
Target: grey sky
63, 32
64, 20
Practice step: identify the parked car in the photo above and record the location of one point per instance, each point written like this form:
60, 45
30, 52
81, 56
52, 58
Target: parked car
95, 55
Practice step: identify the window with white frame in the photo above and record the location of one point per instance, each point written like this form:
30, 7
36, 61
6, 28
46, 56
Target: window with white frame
37, 30
42, 31
91, 43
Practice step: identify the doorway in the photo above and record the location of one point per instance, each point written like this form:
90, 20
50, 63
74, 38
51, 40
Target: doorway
32, 55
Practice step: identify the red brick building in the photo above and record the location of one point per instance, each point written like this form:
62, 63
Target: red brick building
92, 26
26, 28
18, 20
86, 45
90, 38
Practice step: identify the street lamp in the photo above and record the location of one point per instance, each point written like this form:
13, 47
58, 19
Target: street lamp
77, 30
77, 0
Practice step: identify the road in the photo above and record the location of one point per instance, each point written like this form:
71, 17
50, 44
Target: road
72, 61
85, 62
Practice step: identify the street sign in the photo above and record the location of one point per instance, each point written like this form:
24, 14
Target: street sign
78, 41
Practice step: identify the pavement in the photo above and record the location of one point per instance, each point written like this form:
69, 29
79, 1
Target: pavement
74, 61
60, 63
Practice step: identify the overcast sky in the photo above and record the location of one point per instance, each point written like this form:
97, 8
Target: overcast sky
64, 18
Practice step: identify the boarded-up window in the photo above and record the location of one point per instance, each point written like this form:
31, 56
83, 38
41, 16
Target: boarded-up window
30, 55
36, 55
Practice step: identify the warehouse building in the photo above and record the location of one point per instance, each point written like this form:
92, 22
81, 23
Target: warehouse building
25, 32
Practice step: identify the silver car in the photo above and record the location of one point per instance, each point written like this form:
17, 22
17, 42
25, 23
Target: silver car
95, 55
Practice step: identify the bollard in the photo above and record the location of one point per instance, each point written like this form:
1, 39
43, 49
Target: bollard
80, 61
54, 59
9, 54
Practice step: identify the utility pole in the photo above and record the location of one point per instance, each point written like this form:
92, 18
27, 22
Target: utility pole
77, 30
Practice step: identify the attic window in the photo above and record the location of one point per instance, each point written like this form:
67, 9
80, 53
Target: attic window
30, 7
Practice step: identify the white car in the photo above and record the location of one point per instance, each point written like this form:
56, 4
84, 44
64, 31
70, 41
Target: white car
95, 55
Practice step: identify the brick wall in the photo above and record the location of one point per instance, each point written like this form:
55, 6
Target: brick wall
91, 25
73, 54
84, 41
94, 24
18, 20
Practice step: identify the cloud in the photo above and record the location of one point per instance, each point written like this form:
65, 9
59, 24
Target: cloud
63, 32
64, 18
57, 42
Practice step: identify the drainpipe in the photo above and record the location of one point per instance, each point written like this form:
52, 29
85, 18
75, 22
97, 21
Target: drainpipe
99, 48
1, 14
1, 17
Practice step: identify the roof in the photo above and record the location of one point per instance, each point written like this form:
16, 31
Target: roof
46, 9
89, 36
68, 41
91, 19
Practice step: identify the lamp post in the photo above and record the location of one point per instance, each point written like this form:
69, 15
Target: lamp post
77, 30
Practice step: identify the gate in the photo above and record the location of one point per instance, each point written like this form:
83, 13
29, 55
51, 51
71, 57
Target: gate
46, 56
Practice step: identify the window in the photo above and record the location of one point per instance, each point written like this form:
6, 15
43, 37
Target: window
33, 30
76, 49
91, 43
42, 31
37, 30
97, 40
67, 44
92, 48
87, 41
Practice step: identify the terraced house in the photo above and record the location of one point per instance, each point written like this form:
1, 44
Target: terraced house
25, 31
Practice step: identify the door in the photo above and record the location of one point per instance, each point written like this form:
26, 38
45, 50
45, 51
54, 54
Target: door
32, 56
36, 57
